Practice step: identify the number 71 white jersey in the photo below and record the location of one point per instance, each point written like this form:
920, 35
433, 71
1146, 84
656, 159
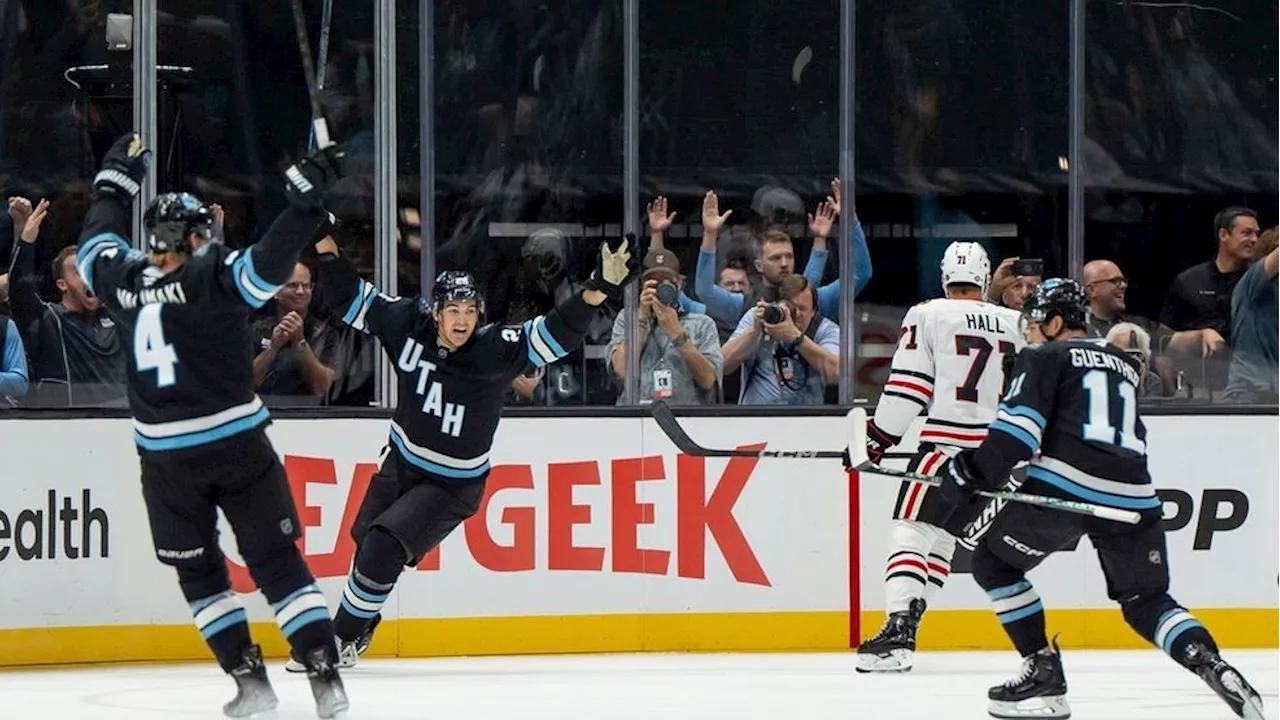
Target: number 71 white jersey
950, 361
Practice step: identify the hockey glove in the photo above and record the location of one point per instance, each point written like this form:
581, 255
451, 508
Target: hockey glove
615, 267
878, 441
960, 480
307, 180
123, 169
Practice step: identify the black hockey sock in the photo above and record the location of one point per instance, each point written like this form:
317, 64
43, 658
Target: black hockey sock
379, 562
303, 617
300, 609
224, 626
1018, 608
1167, 625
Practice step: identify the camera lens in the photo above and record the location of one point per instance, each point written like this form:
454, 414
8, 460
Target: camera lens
773, 314
668, 294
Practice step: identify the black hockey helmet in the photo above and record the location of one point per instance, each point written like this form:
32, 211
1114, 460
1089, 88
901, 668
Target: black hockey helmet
172, 217
1058, 296
454, 285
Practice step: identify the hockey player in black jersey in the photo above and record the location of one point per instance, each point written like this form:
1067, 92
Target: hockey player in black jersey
452, 387
1071, 410
200, 429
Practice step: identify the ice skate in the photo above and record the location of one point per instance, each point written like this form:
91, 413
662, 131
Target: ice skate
326, 685
1225, 680
893, 650
349, 652
1039, 691
254, 696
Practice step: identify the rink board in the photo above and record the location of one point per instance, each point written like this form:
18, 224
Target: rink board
596, 536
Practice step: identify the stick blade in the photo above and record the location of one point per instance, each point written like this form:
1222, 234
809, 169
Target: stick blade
856, 420
671, 428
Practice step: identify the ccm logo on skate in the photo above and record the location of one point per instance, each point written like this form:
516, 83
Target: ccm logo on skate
1022, 547
60, 529
695, 515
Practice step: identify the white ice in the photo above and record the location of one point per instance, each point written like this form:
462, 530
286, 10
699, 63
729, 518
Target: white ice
1136, 685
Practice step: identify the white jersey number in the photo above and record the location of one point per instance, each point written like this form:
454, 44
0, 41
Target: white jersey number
150, 351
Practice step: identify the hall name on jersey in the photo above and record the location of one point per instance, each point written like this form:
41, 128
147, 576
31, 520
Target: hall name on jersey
985, 323
171, 294
450, 414
1089, 358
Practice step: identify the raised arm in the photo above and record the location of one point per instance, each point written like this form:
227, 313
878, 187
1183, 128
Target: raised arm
721, 304
258, 273
103, 240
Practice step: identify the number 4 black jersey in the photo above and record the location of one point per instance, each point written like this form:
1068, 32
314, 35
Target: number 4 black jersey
449, 402
190, 354
1072, 408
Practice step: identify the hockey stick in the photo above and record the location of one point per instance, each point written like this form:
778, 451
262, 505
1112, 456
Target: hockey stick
322, 61
857, 418
319, 125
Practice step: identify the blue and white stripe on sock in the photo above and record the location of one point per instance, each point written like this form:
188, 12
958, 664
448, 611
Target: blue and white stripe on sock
301, 608
217, 613
362, 597
1171, 624
1015, 602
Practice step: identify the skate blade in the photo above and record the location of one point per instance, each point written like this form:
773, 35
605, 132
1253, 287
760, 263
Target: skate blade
1251, 705
894, 661
1048, 706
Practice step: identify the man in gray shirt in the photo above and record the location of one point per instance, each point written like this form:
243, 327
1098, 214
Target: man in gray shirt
788, 362
1255, 329
680, 361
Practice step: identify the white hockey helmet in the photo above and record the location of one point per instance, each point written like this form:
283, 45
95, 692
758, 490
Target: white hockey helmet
966, 262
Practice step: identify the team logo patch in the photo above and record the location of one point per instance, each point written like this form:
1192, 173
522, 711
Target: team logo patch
286, 526
1154, 557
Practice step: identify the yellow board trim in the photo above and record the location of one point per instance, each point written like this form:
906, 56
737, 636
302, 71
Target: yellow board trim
702, 632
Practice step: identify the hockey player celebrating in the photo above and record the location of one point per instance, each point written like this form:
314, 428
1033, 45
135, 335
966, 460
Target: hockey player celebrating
452, 379
949, 362
1072, 400
199, 427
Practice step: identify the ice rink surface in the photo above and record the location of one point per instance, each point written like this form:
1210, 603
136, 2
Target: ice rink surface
1136, 685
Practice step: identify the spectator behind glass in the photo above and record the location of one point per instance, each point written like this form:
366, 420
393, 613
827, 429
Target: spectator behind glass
1104, 286
1009, 290
542, 282
775, 260
76, 353
1198, 306
13, 362
1137, 342
1255, 329
789, 362
285, 365
680, 359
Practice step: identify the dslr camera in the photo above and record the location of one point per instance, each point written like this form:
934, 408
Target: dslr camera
668, 293
775, 313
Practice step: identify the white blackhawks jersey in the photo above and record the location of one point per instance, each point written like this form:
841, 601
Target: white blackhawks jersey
949, 361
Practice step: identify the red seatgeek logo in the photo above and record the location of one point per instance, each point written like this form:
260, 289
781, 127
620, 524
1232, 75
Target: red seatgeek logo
697, 515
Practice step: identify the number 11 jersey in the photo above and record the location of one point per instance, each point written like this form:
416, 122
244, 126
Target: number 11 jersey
950, 361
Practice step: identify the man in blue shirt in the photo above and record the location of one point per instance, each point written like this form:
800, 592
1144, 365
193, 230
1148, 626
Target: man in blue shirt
13, 361
775, 260
788, 362
1255, 329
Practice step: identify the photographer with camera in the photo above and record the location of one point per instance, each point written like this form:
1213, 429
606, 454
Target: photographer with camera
680, 359
787, 351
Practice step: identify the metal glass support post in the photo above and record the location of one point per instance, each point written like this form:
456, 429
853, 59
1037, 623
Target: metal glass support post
848, 317
144, 104
384, 170
631, 181
1075, 146
426, 144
